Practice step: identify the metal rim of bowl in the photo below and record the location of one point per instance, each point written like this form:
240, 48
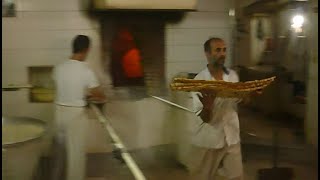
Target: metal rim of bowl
16, 120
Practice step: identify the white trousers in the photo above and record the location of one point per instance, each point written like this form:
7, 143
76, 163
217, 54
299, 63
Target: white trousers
70, 131
214, 164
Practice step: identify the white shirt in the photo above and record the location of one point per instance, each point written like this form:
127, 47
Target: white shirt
72, 79
224, 125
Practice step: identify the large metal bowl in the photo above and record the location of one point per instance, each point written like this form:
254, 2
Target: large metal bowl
22, 146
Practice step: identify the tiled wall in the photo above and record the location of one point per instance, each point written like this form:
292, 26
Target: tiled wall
242, 45
41, 35
257, 45
309, 111
305, 68
312, 94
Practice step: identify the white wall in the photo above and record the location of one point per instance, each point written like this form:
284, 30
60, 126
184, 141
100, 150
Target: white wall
41, 34
184, 41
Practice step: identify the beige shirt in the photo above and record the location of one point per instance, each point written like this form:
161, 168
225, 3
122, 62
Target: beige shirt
224, 125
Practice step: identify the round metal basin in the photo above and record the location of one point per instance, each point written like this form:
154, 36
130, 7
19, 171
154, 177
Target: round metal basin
21, 146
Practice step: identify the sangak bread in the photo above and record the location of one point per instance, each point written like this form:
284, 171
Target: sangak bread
221, 88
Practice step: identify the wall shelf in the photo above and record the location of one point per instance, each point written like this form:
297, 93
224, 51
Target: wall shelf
16, 87
42, 90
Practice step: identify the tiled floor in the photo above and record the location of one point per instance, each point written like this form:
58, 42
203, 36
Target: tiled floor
158, 163
263, 127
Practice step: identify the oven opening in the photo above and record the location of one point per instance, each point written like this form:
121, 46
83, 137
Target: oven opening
134, 51
126, 61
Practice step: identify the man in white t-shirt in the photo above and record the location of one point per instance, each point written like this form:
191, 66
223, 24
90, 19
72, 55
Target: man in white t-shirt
75, 83
216, 138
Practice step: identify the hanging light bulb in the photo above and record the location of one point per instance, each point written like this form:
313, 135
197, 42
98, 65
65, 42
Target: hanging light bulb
297, 23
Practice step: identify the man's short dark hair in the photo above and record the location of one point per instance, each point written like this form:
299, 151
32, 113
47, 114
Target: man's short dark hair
207, 44
80, 43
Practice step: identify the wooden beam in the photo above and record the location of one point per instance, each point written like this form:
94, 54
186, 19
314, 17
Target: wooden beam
262, 6
271, 6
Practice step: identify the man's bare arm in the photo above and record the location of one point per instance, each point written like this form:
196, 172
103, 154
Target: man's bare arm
206, 115
96, 94
207, 101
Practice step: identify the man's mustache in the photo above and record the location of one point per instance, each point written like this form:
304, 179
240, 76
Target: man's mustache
222, 58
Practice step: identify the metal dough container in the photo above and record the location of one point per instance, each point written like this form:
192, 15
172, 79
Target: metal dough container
22, 146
